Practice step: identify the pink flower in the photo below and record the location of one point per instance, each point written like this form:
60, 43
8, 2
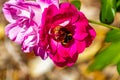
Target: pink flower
23, 27
64, 33
25, 18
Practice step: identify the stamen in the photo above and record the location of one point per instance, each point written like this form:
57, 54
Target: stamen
61, 34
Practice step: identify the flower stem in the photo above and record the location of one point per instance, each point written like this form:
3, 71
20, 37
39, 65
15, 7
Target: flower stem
102, 24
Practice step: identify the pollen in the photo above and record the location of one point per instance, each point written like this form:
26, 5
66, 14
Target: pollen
62, 34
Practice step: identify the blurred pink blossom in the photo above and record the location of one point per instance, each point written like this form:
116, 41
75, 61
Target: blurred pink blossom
25, 18
65, 33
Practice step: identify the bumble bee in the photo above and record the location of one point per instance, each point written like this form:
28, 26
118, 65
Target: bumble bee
67, 39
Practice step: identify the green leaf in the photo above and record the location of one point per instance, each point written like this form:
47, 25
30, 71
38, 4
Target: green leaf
118, 67
76, 3
108, 56
108, 10
113, 35
118, 5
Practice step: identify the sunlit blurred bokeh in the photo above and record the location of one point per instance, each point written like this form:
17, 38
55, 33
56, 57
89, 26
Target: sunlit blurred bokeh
16, 65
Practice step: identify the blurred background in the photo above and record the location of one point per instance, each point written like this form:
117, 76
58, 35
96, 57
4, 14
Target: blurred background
16, 65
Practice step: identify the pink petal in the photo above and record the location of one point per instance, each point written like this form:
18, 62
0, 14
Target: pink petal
39, 51
55, 2
13, 10
81, 28
31, 39
73, 50
67, 12
53, 46
49, 13
61, 64
27, 49
16, 1
72, 60
12, 30
67, 7
57, 58
45, 3
81, 45
65, 62
80, 36
63, 51
91, 36
10, 13
80, 31
92, 32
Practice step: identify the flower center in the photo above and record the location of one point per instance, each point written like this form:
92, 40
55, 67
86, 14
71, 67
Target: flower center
63, 35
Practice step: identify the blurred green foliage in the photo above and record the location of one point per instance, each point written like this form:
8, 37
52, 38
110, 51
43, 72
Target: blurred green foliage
118, 5
112, 36
76, 3
111, 54
108, 56
108, 10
